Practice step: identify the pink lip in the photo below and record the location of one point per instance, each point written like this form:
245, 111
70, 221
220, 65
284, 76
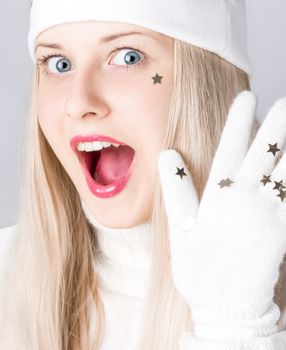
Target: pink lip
99, 190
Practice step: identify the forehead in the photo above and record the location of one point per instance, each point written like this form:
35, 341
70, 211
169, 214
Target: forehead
96, 30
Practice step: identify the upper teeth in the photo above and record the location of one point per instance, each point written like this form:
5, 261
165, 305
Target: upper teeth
94, 146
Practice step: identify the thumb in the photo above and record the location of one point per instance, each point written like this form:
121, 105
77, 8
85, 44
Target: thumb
179, 194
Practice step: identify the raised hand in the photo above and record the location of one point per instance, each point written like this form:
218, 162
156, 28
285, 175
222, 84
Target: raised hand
227, 249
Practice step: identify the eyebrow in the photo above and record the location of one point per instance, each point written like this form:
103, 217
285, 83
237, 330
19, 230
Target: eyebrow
102, 40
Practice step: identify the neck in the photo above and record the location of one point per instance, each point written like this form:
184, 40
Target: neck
125, 256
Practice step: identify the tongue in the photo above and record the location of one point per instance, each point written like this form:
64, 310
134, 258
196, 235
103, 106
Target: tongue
113, 163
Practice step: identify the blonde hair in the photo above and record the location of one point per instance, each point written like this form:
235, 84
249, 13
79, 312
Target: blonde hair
50, 278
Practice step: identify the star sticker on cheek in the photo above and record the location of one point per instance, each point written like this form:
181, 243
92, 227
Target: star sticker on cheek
225, 182
273, 148
180, 172
157, 79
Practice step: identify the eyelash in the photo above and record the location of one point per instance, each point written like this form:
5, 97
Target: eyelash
43, 60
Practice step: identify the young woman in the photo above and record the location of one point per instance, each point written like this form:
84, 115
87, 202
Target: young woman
152, 214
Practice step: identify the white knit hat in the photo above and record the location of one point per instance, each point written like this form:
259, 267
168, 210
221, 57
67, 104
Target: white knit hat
215, 25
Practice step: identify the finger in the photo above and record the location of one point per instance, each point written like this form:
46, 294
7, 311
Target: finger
179, 194
234, 140
260, 160
275, 182
279, 172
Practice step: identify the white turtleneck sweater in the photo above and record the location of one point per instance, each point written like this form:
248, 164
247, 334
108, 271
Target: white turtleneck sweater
124, 274
123, 270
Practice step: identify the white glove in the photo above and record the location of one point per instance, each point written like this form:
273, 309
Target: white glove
226, 250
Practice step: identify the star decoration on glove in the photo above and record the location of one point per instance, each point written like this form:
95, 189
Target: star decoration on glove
180, 172
278, 185
157, 79
225, 182
282, 195
265, 179
273, 148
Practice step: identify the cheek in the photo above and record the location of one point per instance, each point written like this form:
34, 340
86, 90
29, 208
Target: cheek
143, 106
49, 119
144, 116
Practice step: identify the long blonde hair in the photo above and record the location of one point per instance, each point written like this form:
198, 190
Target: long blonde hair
50, 278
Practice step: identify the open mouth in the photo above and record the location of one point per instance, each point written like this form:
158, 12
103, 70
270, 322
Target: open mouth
108, 165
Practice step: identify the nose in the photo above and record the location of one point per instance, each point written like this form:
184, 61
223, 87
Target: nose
85, 96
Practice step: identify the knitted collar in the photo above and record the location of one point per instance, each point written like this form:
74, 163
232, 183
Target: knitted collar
125, 259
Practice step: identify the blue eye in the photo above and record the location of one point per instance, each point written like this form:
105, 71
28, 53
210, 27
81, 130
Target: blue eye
130, 56
61, 65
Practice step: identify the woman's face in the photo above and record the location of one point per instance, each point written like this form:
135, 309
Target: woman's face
95, 86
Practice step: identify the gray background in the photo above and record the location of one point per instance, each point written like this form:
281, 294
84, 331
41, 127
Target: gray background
267, 51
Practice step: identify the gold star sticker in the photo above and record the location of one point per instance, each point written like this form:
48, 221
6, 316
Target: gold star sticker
265, 179
180, 172
282, 195
157, 79
225, 182
278, 185
273, 148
